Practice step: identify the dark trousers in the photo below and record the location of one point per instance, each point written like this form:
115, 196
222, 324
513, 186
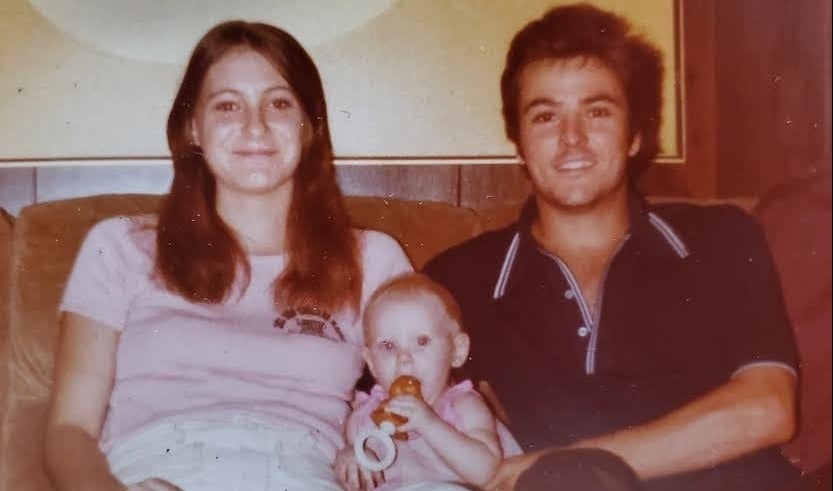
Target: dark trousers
599, 470
585, 469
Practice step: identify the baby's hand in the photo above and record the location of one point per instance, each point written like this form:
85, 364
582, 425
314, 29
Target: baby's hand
153, 484
353, 476
420, 415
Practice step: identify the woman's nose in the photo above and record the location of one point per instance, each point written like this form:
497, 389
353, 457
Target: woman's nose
254, 123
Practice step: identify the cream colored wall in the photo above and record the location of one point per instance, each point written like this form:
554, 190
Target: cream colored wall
413, 78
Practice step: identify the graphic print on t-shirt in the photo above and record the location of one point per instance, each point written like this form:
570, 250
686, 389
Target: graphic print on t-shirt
310, 320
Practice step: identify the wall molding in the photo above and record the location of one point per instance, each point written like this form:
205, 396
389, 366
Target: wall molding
35, 162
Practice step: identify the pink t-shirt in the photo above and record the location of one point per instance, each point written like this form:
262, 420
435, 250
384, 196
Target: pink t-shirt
178, 359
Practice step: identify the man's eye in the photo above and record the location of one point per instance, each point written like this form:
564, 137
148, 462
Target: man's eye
423, 340
599, 112
386, 345
544, 117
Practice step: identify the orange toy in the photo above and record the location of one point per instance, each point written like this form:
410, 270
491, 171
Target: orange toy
404, 385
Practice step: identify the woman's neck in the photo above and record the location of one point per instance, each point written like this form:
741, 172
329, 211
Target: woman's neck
258, 221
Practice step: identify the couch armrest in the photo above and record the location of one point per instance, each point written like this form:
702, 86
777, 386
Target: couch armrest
5, 262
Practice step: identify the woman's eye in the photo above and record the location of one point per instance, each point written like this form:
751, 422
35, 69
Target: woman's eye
281, 103
225, 106
386, 345
423, 340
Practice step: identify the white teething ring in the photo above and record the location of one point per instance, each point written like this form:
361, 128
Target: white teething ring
383, 434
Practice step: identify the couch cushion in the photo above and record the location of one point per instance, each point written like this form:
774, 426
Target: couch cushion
46, 239
423, 228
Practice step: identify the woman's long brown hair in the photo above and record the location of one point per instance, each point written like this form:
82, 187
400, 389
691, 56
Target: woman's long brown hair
198, 255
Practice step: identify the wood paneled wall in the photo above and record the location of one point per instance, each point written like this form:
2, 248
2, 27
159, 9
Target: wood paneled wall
23, 186
772, 67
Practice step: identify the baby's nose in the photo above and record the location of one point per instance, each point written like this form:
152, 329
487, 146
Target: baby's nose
404, 357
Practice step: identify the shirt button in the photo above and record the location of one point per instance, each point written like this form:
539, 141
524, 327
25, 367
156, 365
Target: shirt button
583, 331
569, 295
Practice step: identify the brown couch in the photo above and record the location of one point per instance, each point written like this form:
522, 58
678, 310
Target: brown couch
44, 239
796, 218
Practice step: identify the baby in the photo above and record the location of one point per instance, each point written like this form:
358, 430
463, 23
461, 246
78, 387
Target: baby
412, 328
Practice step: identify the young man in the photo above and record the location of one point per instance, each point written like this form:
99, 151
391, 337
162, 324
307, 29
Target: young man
656, 333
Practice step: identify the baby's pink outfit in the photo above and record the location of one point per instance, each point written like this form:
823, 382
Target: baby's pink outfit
416, 461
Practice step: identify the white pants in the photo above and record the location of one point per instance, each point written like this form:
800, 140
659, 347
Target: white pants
217, 456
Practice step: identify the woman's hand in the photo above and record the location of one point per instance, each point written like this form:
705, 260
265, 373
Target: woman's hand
353, 476
420, 415
153, 484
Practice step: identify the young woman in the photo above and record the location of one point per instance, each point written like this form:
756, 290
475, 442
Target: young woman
215, 346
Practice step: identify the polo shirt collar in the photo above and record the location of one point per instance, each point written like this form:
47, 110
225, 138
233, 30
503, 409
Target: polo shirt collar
649, 233
652, 234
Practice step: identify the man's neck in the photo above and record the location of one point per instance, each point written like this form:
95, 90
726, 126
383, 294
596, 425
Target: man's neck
585, 239
597, 229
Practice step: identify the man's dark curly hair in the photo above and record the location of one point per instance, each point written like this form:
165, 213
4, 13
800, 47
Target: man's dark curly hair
584, 31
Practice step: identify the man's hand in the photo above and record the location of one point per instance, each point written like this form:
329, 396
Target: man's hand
511, 469
153, 484
420, 415
353, 476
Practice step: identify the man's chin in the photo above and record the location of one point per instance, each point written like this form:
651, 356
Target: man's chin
574, 203
577, 201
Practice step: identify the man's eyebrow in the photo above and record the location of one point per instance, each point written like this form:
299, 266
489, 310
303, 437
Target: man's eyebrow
546, 101
539, 101
603, 98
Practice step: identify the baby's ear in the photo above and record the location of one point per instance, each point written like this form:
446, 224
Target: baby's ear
461, 349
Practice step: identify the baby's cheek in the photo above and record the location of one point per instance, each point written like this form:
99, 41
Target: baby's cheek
384, 366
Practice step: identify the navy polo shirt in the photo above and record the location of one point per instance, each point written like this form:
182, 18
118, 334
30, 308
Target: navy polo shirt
690, 298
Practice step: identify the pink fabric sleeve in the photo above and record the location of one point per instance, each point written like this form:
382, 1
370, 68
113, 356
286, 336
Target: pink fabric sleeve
447, 411
383, 259
97, 285
363, 404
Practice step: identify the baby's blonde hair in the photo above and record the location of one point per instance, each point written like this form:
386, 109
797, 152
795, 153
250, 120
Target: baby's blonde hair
409, 287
